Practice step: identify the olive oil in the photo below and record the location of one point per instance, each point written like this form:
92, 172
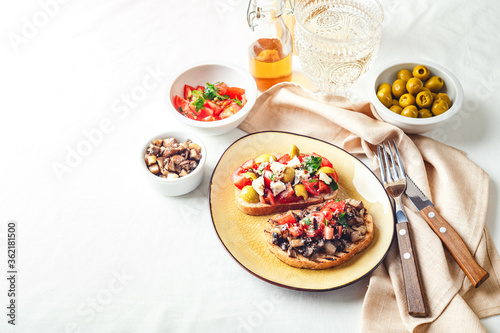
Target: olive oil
269, 64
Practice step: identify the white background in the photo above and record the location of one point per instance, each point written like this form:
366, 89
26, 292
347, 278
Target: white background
98, 250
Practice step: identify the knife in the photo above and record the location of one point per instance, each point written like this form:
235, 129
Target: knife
476, 274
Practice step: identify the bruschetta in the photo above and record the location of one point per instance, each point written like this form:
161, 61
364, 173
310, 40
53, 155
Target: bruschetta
321, 236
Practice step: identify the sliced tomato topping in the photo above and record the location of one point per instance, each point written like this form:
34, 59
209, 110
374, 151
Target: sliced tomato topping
335, 206
214, 108
201, 88
179, 102
324, 161
230, 110
267, 178
268, 197
222, 88
295, 230
250, 164
284, 159
235, 92
238, 178
327, 212
315, 186
285, 218
188, 91
288, 195
338, 233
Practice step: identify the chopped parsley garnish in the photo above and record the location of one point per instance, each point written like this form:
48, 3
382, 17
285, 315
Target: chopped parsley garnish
237, 101
343, 219
307, 221
326, 221
211, 92
273, 177
312, 163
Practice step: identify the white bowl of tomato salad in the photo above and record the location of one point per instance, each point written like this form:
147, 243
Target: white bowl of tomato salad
212, 98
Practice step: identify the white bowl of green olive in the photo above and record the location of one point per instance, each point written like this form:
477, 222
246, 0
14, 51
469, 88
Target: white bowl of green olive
415, 95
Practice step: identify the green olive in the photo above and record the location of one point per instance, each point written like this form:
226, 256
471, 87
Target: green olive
250, 175
434, 84
414, 85
410, 111
424, 99
399, 88
249, 194
385, 98
396, 109
426, 89
424, 113
439, 107
326, 170
300, 191
406, 100
384, 86
421, 72
444, 97
395, 101
288, 175
294, 151
264, 158
404, 75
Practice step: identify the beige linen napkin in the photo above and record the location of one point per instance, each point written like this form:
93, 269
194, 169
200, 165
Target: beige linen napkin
457, 186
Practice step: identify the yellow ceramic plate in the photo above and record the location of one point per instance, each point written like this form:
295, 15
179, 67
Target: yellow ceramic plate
243, 236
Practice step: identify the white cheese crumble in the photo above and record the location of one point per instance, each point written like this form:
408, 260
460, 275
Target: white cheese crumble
278, 168
325, 178
258, 185
277, 187
300, 175
294, 162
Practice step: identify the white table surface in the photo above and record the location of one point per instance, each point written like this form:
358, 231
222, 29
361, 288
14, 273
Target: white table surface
98, 250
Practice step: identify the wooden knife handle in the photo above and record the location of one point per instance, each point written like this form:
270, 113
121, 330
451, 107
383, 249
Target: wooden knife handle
414, 294
451, 239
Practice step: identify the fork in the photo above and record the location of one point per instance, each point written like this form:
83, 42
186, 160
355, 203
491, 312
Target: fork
394, 179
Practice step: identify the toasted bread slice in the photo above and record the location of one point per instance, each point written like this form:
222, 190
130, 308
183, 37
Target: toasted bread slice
328, 261
265, 209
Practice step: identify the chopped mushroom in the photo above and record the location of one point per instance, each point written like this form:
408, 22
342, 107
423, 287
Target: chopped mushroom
171, 159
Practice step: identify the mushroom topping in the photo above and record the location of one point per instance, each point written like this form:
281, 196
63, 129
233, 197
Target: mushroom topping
170, 159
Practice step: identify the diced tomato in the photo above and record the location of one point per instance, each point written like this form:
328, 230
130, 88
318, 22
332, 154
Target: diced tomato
315, 187
267, 178
328, 232
209, 118
335, 206
214, 108
235, 92
324, 161
222, 88
327, 212
238, 178
243, 99
179, 102
250, 164
295, 230
288, 195
338, 232
188, 91
285, 218
284, 159
316, 226
230, 110
204, 113
268, 197
201, 88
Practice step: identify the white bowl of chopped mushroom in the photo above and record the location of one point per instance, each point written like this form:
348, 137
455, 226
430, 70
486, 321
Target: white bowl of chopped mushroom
173, 162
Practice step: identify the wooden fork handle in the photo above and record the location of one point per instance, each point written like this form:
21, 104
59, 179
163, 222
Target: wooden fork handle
451, 239
411, 276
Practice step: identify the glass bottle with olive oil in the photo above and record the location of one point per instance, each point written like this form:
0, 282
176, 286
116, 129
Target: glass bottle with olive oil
270, 51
